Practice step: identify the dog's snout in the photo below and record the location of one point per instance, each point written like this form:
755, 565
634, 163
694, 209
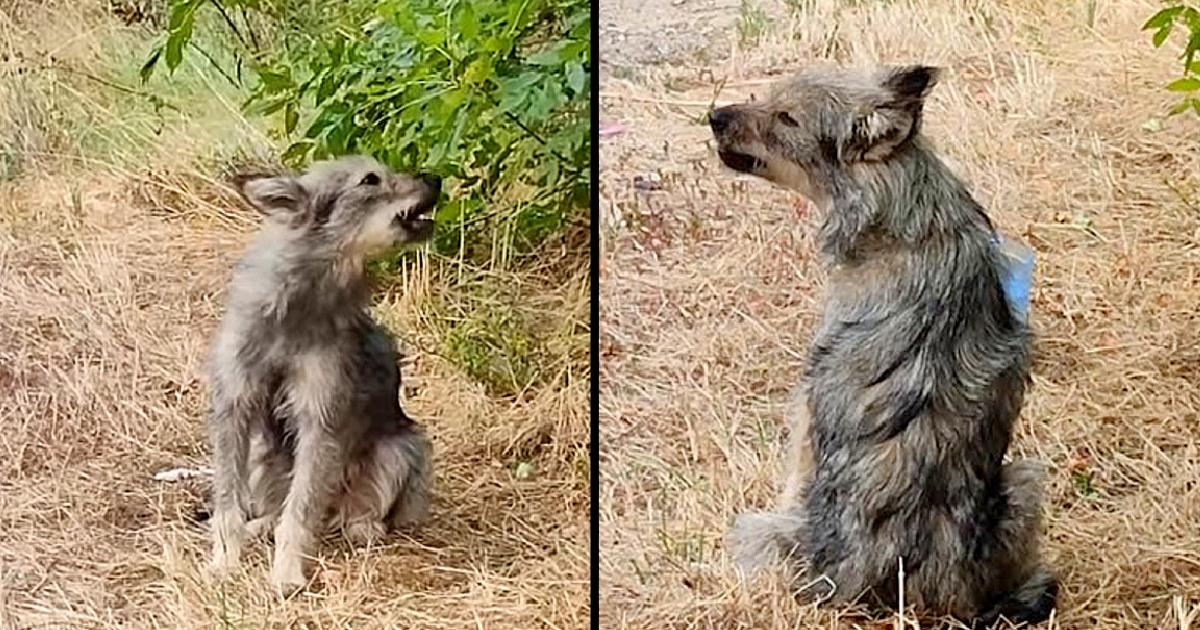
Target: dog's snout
719, 119
433, 182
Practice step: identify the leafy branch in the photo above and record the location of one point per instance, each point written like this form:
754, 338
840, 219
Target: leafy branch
1163, 23
493, 94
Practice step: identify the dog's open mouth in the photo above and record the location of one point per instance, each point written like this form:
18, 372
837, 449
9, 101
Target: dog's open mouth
416, 227
741, 162
419, 220
426, 207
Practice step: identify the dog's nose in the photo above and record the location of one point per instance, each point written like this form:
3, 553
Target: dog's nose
719, 119
433, 182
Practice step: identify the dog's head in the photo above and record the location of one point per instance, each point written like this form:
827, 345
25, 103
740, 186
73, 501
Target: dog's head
353, 203
823, 119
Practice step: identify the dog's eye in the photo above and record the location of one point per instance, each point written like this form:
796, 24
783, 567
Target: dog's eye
787, 119
370, 179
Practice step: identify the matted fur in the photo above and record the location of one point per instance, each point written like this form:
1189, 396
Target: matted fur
306, 425
917, 371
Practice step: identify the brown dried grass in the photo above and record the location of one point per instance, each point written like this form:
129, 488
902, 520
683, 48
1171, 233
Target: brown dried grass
709, 287
111, 276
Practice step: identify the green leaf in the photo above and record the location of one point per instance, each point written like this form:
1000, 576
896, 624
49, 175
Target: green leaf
296, 154
290, 118
431, 38
478, 71
514, 92
1163, 18
576, 78
1189, 51
267, 107
1161, 36
1187, 84
498, 44
275, 81
1192, 17
181, 11
1179, 108
328, 85
148, 67
183, 18
550, 57
175, 51
468, 22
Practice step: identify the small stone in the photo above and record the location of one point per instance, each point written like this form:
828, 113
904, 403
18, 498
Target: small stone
525, 470
647, 182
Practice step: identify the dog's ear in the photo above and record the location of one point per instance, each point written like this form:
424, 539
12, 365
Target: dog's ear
882, 127
272, 194
909, 85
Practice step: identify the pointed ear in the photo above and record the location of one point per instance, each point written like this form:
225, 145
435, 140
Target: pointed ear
877, 131
272, 194
909, 85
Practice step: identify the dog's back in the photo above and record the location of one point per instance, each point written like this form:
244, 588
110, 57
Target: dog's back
914, 380
917, 372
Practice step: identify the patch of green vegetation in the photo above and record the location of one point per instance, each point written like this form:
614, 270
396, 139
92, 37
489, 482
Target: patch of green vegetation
1186, 17
495, 348
34, 124
752, 23
800, 6
491, 95
94, 109
1084, 484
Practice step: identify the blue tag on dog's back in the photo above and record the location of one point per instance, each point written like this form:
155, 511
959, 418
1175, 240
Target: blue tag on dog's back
1018, 274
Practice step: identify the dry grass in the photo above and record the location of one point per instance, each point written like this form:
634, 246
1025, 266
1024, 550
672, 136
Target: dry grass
112, 270
709, 287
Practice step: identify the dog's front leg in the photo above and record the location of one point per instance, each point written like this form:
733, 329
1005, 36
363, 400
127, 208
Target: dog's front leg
798, 457
317, 468
236, 403
316, 412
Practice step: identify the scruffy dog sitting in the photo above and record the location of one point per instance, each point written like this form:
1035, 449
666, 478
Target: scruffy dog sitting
917, 371
306, 426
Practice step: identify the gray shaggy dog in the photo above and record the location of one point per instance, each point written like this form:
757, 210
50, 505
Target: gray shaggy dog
306, 427
917, 371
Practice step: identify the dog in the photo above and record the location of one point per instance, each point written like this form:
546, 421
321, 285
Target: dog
916, 374
306, 427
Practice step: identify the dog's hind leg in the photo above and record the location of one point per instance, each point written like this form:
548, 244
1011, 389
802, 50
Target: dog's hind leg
1032, 597
388, 486
236, 403
412, 503
1030, 603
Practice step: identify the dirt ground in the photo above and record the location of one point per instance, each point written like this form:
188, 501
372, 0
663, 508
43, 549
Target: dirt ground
1053, 112
117, 236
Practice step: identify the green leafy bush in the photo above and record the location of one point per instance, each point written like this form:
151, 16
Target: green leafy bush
1163, 23
493, 94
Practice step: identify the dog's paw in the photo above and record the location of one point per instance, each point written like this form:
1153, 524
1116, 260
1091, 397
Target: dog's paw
224, 562
287, 574
364, 533
261, 527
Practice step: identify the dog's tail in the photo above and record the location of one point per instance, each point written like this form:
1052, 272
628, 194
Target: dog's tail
761, 539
